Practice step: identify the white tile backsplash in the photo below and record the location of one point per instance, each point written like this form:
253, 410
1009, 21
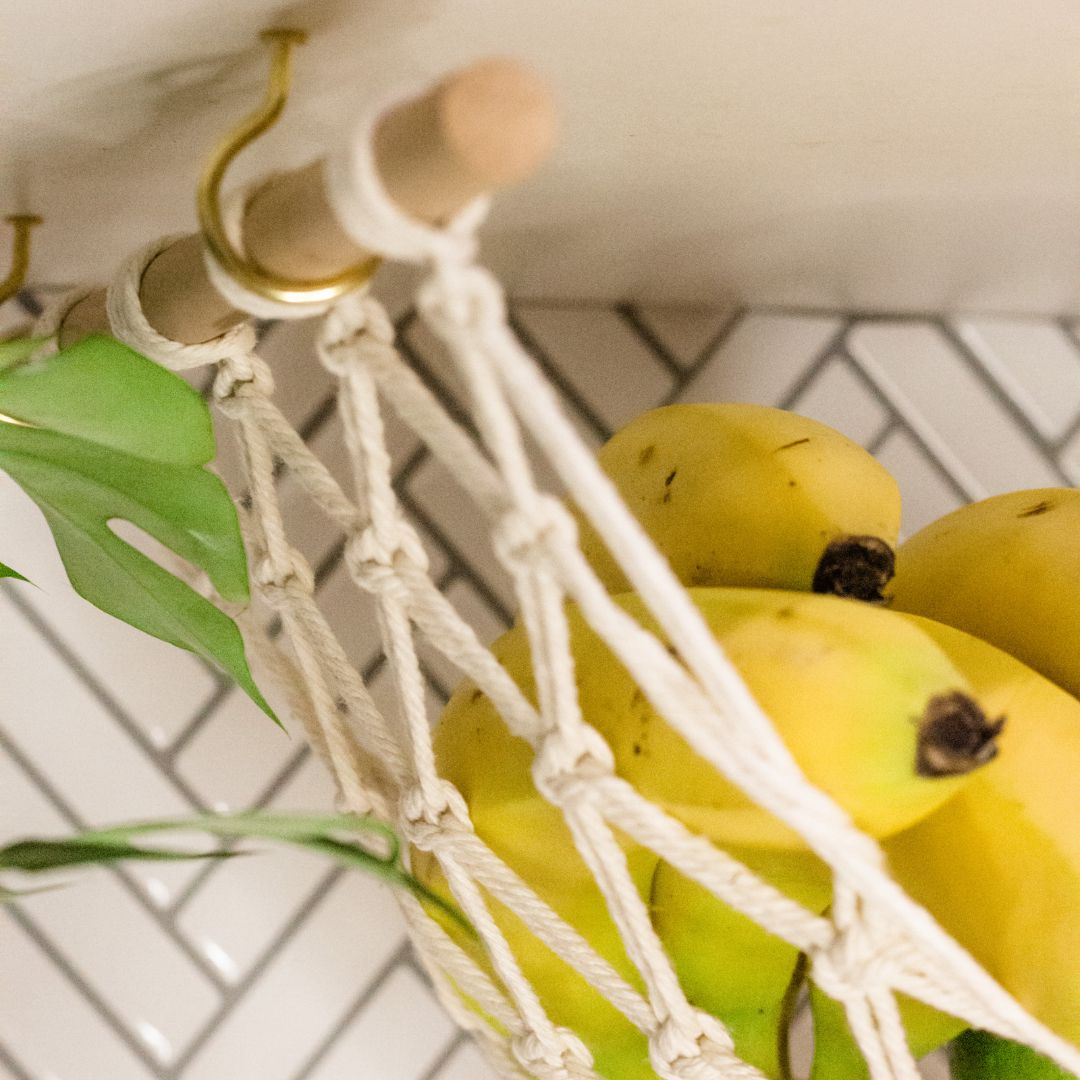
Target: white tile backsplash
308, 986
314, 984
762, 357
601, 356
50, 1028
949, 407
467, 1063
1035, 365
396, 1037
839, 398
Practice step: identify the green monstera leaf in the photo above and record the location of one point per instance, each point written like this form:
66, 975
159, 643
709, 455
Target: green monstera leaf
96, 434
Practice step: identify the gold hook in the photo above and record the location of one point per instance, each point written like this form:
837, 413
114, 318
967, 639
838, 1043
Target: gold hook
246, 271
20, 254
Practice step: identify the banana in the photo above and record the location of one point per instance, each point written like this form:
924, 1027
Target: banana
978, 1055
1006, 569
999, 865
751, 496
727, 964
845, 682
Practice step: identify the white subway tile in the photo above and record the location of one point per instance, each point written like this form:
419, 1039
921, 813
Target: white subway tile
1034, 363
950, 408
1070, 459
308, 987
760, 360
397, 1036
838, 398
25, 811
131, 664
602, 357
301, 383
352, 614
245, 903
442, 499
685, 332
238, 751
120, 950
925, 495
80, 748
50, 1028
478, 614
467, 1063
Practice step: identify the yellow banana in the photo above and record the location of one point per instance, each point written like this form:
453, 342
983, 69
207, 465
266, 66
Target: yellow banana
999, 865
1006, 569
751, 496
869, 705
727, 964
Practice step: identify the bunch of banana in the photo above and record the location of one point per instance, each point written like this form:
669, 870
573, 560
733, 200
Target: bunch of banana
897, 718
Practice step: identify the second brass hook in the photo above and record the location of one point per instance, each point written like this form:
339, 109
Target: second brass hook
20, 254
243, 270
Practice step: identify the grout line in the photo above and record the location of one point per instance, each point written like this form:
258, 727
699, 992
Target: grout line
342, 1024
1018, 416
891, 425
7, 1059
556, 377
105, 699
455, 557
812, 370
160, 916
197, 722
704, 358
916, 437
237, 991
631, 315
449, 1050
83, 986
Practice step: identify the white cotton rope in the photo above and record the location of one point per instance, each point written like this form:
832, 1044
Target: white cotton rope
372, 220
873, 942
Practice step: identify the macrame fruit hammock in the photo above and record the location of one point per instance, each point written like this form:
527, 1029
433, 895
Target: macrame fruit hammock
579, 885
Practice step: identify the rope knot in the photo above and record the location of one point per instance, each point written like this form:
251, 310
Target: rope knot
430, 812
858, 961
523, 537
282, 579
568, 765
564, 1058
378, 567
357, 327
462, 298
244, 375
700, 1050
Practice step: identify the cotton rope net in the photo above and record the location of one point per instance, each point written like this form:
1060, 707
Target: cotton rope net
873, 942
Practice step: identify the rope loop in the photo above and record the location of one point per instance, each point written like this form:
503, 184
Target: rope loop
433, 814
523, 537
131, 326
569, 763
566, 1059
239, 377
283, 579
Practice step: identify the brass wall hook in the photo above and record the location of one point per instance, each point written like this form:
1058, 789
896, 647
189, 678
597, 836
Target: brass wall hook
20, 254
247, 272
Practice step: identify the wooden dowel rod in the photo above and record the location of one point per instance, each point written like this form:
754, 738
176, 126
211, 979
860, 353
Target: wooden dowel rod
485, 127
